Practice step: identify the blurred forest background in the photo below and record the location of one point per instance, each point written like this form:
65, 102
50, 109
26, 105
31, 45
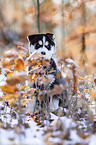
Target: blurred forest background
72, 21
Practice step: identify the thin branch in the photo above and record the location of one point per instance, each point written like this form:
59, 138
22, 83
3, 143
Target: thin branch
83, 23
38, 15
63, 26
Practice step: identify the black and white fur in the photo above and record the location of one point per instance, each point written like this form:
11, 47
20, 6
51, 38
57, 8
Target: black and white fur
45, 44
42, 43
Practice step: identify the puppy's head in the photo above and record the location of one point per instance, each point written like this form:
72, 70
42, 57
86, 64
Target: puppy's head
42, 43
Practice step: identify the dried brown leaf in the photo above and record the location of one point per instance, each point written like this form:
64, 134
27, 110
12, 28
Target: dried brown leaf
17, 79
12, 138
26, 125
58, 75
8, 88
1, 98
22, 78
12, 81
83, 135
93, 94
8, 96
11, 101
9, 74
28, 114
19, 64
46, 62
95, 81
17, 130
57, 89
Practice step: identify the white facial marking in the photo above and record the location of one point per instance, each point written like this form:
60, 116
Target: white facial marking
46, 43
43, 39
40, 42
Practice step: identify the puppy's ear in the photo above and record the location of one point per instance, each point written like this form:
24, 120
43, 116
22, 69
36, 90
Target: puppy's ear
32, 38
50, 35
51, 38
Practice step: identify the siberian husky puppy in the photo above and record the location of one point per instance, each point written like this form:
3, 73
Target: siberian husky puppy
44, 44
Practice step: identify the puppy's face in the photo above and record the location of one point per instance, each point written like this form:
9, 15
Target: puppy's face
43, 44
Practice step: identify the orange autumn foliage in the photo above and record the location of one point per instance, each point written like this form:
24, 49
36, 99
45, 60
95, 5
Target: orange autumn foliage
8, 88
19, 64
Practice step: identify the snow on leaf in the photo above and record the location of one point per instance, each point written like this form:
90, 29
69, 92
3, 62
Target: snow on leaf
11, 53
70, 61
22, 48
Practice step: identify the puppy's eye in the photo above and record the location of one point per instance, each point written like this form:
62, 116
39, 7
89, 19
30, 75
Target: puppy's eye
48, 47
37, 46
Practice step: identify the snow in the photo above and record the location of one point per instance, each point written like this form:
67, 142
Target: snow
54, 140
34, 134
92, 140
31, 137
75, 137
2, 78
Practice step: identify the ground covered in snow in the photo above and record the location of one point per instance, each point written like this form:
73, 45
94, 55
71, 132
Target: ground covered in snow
74, 124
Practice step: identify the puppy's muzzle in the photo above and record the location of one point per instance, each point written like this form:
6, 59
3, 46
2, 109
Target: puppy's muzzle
44, 53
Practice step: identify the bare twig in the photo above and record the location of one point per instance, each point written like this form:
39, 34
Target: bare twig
63, 26
83, 23
38, 15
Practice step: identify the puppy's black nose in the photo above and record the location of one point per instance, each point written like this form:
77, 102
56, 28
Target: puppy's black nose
44, 53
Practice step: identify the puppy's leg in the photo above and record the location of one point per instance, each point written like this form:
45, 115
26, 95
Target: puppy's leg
54, 103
